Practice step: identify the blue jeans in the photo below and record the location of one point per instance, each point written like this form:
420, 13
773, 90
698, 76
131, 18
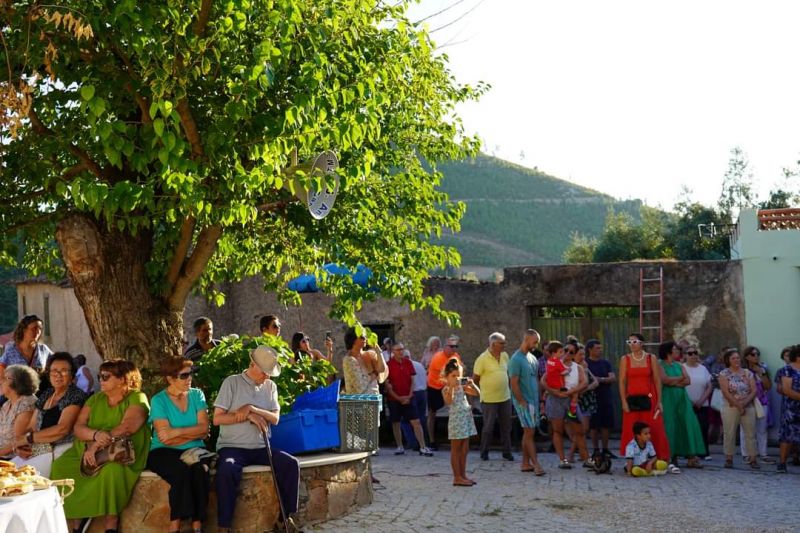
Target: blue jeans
421, 403
230, 463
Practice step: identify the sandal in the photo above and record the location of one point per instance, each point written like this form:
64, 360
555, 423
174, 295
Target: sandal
538, 471
754, 465
672, 469
564, 465
694, 463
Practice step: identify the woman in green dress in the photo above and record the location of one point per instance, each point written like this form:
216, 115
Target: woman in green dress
120, 409
680, 422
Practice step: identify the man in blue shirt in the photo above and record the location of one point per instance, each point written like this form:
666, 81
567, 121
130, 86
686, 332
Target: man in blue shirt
524, 373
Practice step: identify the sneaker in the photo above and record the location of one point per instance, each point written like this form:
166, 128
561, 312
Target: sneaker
426, 452
400, 451
508, 457
610, 454
564, 465
781, 469
707, 458
588, 464
768, 460
659, 472
484, 456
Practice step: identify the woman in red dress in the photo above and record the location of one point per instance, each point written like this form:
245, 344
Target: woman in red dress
640, 393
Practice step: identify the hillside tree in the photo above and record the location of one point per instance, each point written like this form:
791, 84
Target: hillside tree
147, 148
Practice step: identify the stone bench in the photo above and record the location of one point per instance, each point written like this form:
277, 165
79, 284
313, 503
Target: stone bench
331, 484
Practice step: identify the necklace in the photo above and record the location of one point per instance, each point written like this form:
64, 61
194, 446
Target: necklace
638, 359
52, 400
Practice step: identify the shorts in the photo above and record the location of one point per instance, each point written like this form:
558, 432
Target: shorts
399, 411
556, 408
435, 399
526, 420
603, 417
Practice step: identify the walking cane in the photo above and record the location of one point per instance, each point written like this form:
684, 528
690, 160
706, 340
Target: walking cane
275, 480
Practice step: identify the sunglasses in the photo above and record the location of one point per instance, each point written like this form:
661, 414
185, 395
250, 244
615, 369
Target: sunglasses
183, 376
636, 341
571, 352
452, 345
105, 376
692, 352
64, 372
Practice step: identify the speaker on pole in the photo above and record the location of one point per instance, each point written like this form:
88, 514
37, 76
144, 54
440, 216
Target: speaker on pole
319, 203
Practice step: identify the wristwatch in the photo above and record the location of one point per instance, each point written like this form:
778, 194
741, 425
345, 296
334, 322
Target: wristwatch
29, 437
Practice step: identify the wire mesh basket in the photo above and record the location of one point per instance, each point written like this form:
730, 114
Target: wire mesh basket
359, 418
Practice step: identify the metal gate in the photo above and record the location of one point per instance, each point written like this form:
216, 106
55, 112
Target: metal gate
610, 325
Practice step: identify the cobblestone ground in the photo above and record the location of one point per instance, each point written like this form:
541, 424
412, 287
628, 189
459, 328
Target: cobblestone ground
416, 495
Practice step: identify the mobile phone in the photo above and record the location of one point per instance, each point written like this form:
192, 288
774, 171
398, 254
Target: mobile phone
463, 381
328, 335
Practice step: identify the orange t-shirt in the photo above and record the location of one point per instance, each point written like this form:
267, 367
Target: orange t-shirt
438, 362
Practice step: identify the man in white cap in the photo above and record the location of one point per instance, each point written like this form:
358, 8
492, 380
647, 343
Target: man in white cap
245, 408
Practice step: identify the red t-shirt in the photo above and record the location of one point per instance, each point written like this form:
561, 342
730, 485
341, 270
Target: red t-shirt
554, 373
401, 375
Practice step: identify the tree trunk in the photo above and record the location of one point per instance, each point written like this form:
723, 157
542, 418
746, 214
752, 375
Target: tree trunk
107, 270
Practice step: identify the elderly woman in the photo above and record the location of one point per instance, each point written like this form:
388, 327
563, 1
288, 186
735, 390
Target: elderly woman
680, 423
640, 395
49, 433
26, 348
433, 346
18, 385
738, 388
119, 410
790, 416
699, 390
180, 422
751, 360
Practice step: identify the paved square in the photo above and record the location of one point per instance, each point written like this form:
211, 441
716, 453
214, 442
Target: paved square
416, 495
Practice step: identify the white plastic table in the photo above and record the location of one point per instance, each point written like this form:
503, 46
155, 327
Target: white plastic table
40, 511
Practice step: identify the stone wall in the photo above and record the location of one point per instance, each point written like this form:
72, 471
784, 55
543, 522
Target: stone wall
329, 488
702, 302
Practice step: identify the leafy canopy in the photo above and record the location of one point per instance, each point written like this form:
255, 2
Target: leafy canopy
178, 120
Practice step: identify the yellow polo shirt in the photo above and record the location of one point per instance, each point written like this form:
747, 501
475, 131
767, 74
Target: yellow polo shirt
494, 377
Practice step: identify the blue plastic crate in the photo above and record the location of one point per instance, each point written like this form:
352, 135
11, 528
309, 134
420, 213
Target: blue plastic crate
321, 398
308, 430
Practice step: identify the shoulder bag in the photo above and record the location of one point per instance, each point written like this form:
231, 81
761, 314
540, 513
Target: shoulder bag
119, 451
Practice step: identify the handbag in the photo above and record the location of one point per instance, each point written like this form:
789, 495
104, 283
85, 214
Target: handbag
716, 400
639, 402
119, 451
759, 407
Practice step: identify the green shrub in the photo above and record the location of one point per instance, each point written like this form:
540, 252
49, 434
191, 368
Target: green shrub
232, 356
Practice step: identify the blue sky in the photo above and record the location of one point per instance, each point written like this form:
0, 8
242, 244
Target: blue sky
632, 98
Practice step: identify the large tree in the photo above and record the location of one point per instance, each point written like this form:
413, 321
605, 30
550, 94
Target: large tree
154, 141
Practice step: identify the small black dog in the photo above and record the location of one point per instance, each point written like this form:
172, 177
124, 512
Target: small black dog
602, 462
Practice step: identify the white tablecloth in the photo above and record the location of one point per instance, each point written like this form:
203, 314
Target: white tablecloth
39, 511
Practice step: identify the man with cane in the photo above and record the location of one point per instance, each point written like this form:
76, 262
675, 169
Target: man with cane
246, 406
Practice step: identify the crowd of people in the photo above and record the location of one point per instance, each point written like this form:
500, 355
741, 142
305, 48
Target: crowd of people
103, 440
670, 401
52, 417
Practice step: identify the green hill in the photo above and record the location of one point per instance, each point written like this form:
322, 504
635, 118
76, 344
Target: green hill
517, 215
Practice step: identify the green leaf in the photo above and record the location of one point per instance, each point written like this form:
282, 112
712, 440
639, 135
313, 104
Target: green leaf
158, 126
87, 92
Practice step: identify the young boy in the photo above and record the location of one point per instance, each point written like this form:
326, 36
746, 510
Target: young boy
641, 456
555, 371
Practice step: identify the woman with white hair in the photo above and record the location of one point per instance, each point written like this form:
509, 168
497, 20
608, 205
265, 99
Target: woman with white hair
433, 345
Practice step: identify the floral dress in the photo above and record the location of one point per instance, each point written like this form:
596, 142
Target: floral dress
790, 420
460, 424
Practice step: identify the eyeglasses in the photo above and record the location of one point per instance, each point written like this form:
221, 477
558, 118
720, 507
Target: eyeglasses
105, 376
305, 340
64, 372
692, 352
183, 376
635, 341
571, 352
452, 345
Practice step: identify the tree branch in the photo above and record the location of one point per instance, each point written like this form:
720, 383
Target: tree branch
175, 266
274, 206
81, 154
202, 18
203, 250
190, 128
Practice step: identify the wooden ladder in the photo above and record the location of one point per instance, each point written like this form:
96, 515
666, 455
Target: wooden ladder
651, 306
